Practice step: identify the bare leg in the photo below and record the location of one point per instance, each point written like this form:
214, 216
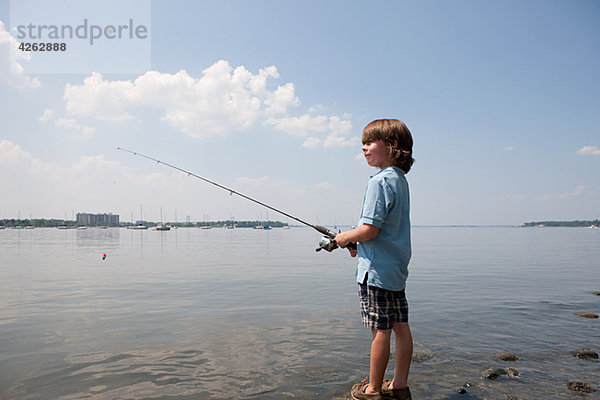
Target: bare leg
404, 350
380, 355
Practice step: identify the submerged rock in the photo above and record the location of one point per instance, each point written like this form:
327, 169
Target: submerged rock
494, 373
585, 354
580, 387
586, 314
508, 397
421, 356
506, 356
462, 390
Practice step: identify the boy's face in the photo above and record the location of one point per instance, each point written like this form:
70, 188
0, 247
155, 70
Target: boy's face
376, 153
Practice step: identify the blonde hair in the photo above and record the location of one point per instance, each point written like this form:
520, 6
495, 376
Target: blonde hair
397, 138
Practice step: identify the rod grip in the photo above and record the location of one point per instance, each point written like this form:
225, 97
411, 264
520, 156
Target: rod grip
325, 231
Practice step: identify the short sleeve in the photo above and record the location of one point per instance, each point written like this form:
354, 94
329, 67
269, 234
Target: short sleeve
377, 203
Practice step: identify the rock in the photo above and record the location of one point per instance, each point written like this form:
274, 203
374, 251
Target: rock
585, 354
580, 387
513, 373
468, 385
461, 391
508, 397
491, 375
506, 356
597, 293
494, 373
421, 356
586, 314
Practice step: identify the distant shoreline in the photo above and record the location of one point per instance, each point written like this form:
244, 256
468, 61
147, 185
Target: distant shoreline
53, 223
570, 224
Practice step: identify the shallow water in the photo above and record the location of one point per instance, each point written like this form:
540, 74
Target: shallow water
228, 314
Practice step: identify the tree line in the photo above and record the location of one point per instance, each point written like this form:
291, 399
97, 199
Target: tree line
54, 223
577, 224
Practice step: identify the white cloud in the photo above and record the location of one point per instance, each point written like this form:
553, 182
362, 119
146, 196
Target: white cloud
300, 126
12, 153
90, 169
89, 183
513, 197
81, 132
325, 186
589, 150
11, 70
93, 183
47, 115
99, 98
547, 197
320, 130
86, 168
316, 109
68, 125
509, 148
577, 192
312, 142
255, 183
263, 186
223, 100
281, 99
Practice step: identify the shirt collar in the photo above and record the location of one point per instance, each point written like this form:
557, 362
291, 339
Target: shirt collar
399, 171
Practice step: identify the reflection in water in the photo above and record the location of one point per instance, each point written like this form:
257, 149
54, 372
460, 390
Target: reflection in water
90, 237
242, 313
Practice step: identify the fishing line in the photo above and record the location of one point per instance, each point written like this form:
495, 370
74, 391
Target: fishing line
325, 243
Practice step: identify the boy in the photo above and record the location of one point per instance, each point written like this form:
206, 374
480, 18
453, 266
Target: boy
384, 250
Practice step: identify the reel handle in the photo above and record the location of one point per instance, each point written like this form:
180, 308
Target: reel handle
327, 243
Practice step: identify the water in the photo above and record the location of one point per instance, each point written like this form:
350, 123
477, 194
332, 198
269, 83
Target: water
239, 314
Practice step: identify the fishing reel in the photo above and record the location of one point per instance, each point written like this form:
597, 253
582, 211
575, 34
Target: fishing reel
327, 243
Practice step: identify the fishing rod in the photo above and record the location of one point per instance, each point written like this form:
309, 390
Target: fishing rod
326, 242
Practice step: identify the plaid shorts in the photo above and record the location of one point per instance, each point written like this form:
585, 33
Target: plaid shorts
380, 308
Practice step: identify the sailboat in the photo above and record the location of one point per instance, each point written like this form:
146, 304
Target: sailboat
231, 225
161, 226
205, 226
139, 226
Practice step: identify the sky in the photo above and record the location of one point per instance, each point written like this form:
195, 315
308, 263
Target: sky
270, 98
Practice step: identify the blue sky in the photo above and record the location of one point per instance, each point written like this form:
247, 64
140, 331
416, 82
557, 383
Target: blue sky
270, 98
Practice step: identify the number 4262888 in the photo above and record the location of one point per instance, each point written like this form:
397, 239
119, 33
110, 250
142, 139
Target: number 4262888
43, 46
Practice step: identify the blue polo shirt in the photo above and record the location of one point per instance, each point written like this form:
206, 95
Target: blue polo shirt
386, 205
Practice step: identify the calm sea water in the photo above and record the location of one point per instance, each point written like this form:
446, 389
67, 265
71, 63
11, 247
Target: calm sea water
238, 314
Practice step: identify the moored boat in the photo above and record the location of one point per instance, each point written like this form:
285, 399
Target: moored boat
137, 227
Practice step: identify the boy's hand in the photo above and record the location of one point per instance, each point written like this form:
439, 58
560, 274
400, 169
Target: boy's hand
342, 239
352, 250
